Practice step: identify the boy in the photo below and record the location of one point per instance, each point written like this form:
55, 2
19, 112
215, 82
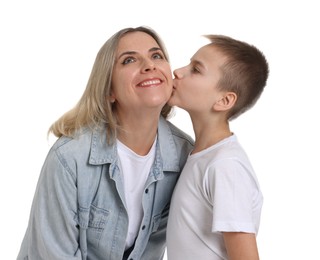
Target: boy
216, 206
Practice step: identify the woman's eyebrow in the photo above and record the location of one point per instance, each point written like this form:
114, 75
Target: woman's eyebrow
155, 49
126, 53
134, 52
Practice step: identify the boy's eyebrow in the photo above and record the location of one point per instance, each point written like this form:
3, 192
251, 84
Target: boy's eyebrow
196, 62
134, 52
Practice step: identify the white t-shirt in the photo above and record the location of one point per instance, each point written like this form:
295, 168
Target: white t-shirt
217, 191
135, 170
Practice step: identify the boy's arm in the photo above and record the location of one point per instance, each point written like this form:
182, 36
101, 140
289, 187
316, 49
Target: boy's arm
241, 246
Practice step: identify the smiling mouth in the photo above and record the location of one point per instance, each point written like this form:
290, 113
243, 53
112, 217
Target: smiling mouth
150, 83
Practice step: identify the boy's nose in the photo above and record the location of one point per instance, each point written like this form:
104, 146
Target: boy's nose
177, 73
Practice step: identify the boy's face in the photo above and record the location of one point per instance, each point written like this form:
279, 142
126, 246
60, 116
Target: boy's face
195, 85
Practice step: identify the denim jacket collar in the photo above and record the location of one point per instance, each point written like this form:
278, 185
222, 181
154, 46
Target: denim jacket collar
103, 153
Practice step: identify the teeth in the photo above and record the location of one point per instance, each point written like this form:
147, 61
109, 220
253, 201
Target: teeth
150, 82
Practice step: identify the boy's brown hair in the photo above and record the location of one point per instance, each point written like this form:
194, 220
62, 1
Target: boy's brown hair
245, 72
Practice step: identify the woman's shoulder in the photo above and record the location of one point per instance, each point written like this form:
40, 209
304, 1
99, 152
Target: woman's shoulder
81, 137
177, 132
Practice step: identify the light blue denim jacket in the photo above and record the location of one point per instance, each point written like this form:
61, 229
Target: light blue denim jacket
79, 208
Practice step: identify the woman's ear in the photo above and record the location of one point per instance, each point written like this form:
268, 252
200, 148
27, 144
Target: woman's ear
226, 102
111, 98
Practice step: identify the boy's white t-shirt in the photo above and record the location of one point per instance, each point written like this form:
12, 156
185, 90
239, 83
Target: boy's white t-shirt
217, 192
135, 170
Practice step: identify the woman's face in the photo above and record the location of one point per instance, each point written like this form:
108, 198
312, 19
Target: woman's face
142, 78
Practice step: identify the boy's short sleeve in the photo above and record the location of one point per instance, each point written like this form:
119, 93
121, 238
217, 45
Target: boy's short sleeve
235, 196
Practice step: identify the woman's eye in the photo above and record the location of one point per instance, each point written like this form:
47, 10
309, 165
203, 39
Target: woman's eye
157, 56
128, 60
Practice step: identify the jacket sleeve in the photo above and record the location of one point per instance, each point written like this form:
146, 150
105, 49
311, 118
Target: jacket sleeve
53, 231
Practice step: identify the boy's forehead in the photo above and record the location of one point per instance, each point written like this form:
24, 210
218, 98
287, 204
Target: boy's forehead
209, 54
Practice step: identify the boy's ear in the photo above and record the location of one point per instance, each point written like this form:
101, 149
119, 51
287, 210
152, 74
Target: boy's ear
226, 102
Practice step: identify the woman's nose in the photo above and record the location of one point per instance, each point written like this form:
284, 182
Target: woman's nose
148, 65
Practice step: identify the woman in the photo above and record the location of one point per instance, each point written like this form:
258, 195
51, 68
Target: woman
106, 184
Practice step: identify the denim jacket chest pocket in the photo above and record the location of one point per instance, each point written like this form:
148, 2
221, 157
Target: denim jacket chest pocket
94, 221
98, 219
156, 222
162, 198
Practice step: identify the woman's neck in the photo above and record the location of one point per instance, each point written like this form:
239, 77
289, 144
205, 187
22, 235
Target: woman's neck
138, 135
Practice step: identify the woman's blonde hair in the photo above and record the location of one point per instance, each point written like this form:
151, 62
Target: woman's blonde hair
93, 109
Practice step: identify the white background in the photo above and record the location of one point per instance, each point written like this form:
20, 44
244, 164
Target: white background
47, 49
